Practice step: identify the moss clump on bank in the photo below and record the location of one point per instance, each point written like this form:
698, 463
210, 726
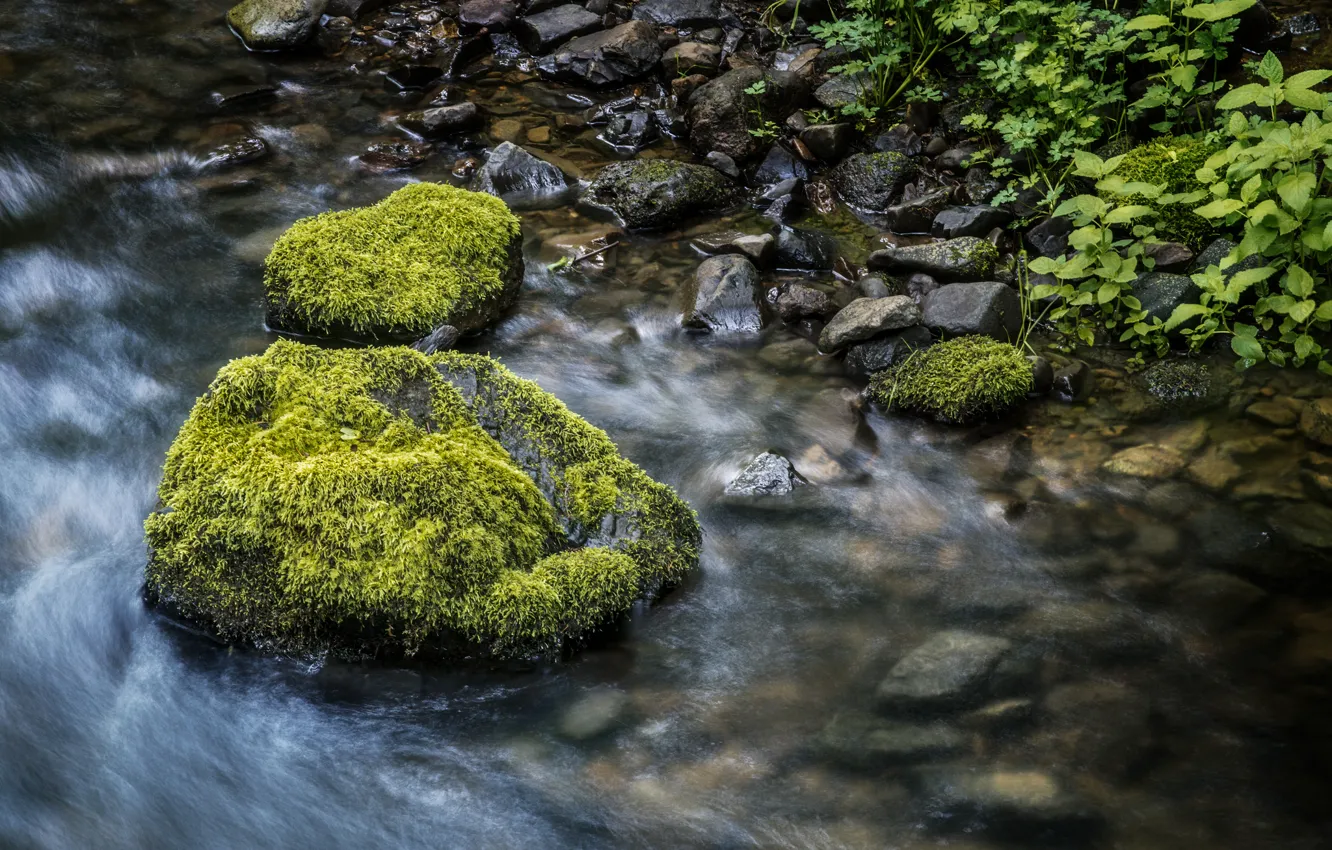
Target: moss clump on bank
962, 380
1172, 163
356, 500
425, 256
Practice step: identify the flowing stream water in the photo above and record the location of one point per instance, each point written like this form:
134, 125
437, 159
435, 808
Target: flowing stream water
1177, 644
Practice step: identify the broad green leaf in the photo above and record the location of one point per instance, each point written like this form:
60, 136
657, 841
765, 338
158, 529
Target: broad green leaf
1279, 303
1307, 79
1246, 347
1043, 291
1249, 191
1147, 22
1306, 99
1220, 208
1324, 312
1043, 265
1242, 329
1182, 314
1297, 282
1091, 205
1088, 164
1276, 357
1236, 98
1325, 367
1123, 215
1107, 293
1302, 310
1304, 346
1216, 11
1270, 68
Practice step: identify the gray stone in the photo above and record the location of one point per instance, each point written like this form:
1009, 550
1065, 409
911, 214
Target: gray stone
520, 179
721, 116
917, 214
723, 296
723, 163
969, 221
841, 90
542, 32
901, 139
652, 193
872, 181
1042, 375
886, 350
1073, 382
767, 475
866, 742
596, 714
761, 250
991, 309
797, 301
950, 669
828, 142
1161, 292
778, 165
868, 317
805, 249
873, 286
1169, 256
492, 15
920, 285
1050, 237
691, 57
605, 59
963, 259
394, 156
690, 14
441, 121
1007, 801
629, 132
275, 24
441, 338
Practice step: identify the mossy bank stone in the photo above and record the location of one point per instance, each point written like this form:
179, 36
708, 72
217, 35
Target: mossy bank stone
383, 502
425, 256
275, 24
873, 181
960, 381
657, 193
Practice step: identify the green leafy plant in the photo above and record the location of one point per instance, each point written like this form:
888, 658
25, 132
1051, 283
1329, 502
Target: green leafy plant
766, 129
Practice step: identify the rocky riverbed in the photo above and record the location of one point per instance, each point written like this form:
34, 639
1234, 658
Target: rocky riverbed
1102, 621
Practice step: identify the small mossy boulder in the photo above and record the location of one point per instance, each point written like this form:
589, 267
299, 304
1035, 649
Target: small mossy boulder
425, 256
656, 193
1172, 163
384, 502
960, 381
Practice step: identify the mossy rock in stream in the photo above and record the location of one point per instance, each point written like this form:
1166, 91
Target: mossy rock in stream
959, 381
384, 502
427, 255
657, 193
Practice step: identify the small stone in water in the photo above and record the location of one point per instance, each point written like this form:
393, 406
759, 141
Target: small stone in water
767, 475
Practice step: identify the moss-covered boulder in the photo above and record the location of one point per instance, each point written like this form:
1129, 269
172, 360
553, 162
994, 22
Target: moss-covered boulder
379, 501
655, 193
960, 381
1172, 163
275, 24
425, 256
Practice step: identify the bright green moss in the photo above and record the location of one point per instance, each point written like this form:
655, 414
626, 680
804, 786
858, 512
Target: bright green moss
1170, 162
962, 380
352, 499
425, 256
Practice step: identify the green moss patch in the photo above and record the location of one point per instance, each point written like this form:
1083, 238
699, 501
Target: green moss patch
962, 380
1172, 163
425, 256
363, 501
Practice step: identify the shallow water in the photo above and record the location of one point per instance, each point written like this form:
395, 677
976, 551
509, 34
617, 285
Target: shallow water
128, 275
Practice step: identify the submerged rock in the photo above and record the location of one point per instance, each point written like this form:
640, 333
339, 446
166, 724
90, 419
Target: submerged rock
863, 741
381, 502
600, 711
440, 121
767, 475
724, 296
650, 193
950, 669
605, 59
425, 256
872, 181
1007, 801
964, 259
275, 24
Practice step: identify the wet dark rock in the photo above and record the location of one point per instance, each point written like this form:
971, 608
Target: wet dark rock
354, 8
689, 14
981, 186
1073, 382
691, 57
723, 296
671, 123
873, 286
963, 259
917, 215
797, 301
779, 164
951, 669
1161, 292
1007, 802
1303, 24
841, 91
652, 193
789, 186
394, 156
236, 153
784, 208
1215, 598
595, 715
1042, 375
805, 249
1215, 254
828, 142
1316, 421
1169, 256
1256, 26
1180, 384
1103, 727
542, 32
721, 115
872, 181
956, 159
723, 163
413, 77
520, 179
899, 139
630, 131
275, 24
493, 15
866, 742
990, 308
969, 221
919, 285
683, 87
441, 338
613, 57
440, 121
761, 250
767, 475
1304, 525
886, 350
1050, 237
865, 318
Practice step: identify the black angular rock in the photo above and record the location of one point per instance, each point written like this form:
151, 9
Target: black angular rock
828, 142
493, 15
872, 181
520, 179
690, 14
778, 164
886, 350
969, 221
1072, 382
990, 308
542, 32
723, 296
604, 59
768, 474
722, 117
1050, 237
805, 249
630, 131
